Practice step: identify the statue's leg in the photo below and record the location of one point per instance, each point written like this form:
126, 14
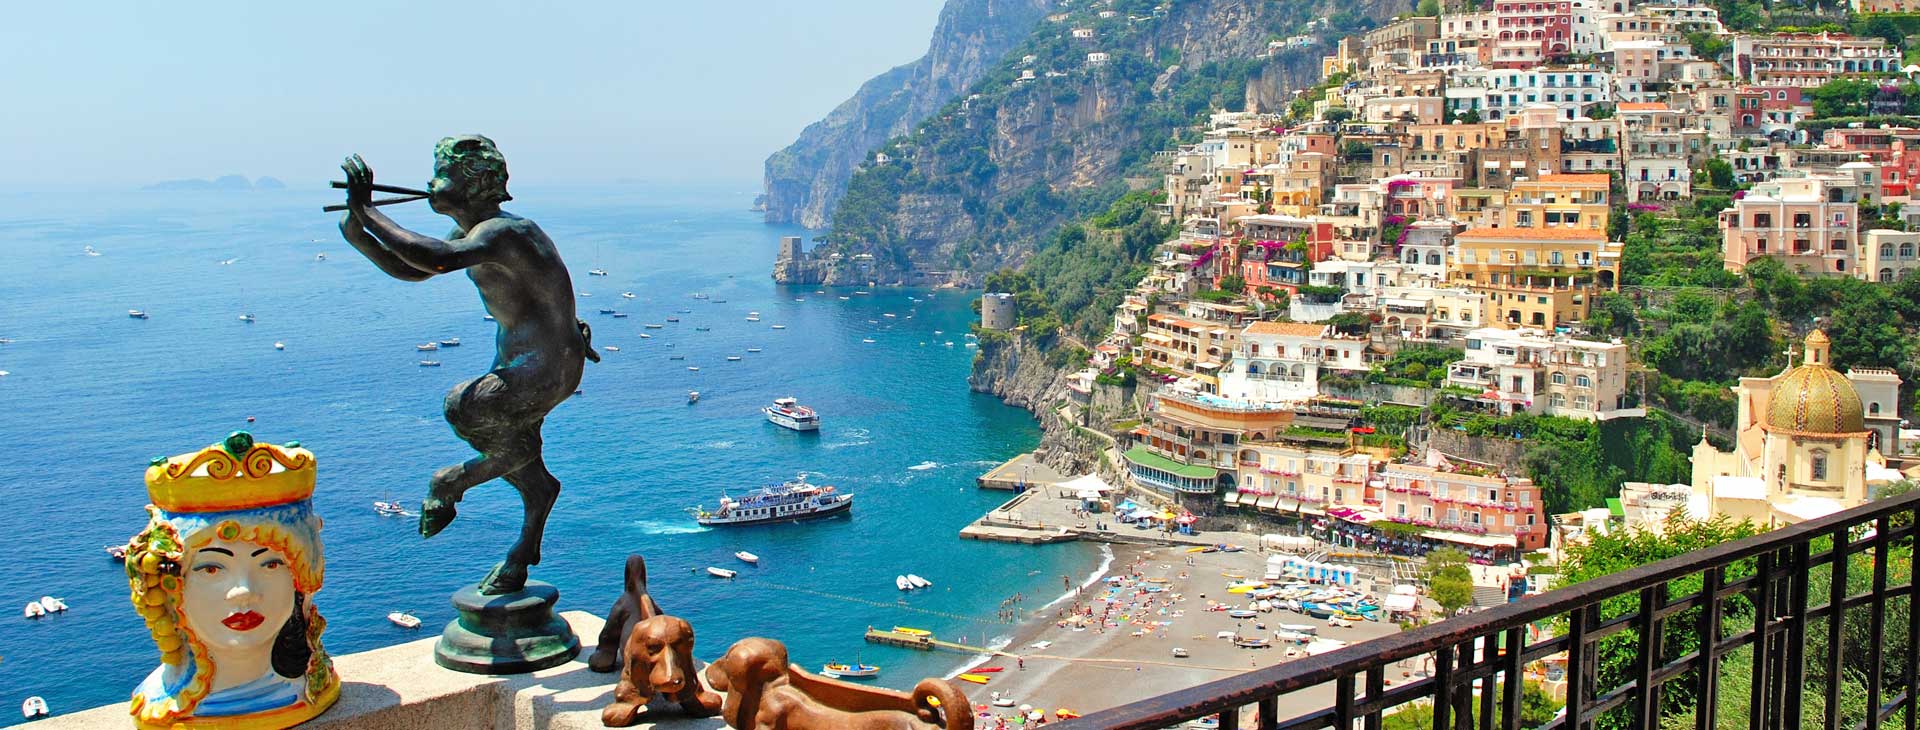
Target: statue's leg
479, 411
538, 491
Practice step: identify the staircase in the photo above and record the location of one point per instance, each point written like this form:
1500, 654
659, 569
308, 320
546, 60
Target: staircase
1488, 596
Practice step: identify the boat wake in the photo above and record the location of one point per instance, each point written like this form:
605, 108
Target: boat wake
1099, 571
858, 436
664, 527
923, 466
721, 444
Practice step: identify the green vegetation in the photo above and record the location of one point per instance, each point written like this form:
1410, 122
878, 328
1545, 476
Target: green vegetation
1087, 267
1537, 708
1419, 367
1580, 463
1448, 581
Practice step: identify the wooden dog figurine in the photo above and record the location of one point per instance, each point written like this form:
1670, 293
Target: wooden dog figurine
659, 660
764, 692
633, 606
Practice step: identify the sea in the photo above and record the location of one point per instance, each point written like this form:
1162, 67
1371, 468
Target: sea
92, 395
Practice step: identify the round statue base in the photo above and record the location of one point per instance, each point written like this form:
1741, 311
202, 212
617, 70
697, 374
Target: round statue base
513, 633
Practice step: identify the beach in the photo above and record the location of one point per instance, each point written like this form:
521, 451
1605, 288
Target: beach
1054, 663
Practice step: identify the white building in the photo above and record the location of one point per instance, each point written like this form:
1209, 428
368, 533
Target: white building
1280, 362
1529, 370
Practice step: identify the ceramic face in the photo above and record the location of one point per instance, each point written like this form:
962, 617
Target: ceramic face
237, 595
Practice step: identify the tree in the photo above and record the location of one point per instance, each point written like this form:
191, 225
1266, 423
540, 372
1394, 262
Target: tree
1233, 283
1537, 708
1719, 173
1428, 9
1449, 582
1841, 97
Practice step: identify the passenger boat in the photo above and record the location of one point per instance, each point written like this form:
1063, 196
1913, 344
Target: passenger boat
790, 501
404, 620
747, 557
427, 347
788, 413
720, 572
35, 707
137, 313
450, 342
850, 671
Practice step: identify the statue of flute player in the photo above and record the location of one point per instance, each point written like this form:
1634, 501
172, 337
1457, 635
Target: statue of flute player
540, 349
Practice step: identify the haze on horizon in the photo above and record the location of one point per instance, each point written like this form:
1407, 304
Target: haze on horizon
582, 92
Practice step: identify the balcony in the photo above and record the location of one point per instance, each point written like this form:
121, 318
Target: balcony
1757, 592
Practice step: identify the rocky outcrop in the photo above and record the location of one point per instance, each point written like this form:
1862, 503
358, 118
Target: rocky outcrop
805, 180
1017, 372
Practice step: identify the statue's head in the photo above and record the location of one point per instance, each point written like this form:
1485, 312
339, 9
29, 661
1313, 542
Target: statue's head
222, 574
468, 170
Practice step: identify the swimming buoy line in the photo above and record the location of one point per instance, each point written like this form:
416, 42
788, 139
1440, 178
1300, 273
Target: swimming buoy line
893, 606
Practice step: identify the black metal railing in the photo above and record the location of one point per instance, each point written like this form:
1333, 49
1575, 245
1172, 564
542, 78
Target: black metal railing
1790, 629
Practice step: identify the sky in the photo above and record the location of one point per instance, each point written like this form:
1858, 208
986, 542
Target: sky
128, 93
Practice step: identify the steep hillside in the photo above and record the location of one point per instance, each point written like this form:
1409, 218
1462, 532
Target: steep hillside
980, 184
804, 180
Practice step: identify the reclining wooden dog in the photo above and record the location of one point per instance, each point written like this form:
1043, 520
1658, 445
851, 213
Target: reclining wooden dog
658, 660
764, 692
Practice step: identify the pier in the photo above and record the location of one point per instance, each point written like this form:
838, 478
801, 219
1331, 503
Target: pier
906, 641
1021, 472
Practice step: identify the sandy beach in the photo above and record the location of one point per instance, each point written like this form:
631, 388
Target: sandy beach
1054, 664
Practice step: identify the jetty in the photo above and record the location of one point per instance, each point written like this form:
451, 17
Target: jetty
1021, 473
890, 637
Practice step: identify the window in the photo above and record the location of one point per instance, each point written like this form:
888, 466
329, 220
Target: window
1559, 378
1583, 381
1819, 466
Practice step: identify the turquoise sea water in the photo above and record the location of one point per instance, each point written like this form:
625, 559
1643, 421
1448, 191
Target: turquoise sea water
93, 395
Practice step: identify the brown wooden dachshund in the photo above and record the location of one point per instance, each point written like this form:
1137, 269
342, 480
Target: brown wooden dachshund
764, 692
633, 606
659, 660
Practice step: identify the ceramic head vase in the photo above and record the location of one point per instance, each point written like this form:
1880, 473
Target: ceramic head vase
224, 574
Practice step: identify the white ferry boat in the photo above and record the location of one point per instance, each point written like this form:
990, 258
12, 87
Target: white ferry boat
793, 501
788, 413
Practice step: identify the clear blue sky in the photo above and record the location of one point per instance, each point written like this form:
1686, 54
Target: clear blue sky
128, 93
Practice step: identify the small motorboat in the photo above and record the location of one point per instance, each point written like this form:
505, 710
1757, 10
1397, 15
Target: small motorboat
863, 292
645, 336
698, 295
279, 345
596, 272
137, 313
686, 311
247, 318
429, 363
1241, 613
619, 315
753, 349
720, 572
584, 294
901, 582
626, 295
117, 552
918, 582
703, 329
450, 342
607, 310
1246, 642
390, 509
869, 340
974, 678
33, 610
733, 358
747, 557
676, 357
319, 257
693, 396
673, 319
487, 317
753, 319
999, 700
779, 326
428, 347
1179, 653
719, 301
850, 671
53, 605
404, 620
611, 348
35, 707
89, 250
888, 315
653, 325
693, 368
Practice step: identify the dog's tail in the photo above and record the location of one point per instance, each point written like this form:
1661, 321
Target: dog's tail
586, 339
940, 702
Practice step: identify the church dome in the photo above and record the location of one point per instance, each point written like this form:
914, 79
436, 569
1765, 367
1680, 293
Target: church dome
1814, 398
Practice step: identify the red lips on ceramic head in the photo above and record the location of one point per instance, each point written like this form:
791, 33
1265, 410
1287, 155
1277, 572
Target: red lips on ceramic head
243, 620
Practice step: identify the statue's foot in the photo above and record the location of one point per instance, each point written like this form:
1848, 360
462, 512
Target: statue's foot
435, 515
505, 578
603, 661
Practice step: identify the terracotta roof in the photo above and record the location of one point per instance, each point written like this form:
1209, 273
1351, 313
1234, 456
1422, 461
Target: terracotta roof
1177, 321
1298, 329
1643, 106
1537, 234
1560, 177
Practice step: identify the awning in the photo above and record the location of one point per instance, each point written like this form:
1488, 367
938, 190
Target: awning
1467, 538
1399, 602
1085, 483
1141, 456
1267, 502
1231, 498
1290, 505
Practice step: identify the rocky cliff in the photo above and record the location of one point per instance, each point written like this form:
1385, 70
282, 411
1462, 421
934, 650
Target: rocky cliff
1034, 143
805, 180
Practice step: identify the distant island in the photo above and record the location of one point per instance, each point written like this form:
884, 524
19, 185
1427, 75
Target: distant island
223, 183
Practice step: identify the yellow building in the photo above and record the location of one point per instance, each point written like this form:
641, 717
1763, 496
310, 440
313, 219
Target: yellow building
1803, 447
1536, 277
1558, 201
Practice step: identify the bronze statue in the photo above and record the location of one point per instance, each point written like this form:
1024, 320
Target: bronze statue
540, 348
764, 692
633, 606
659, 660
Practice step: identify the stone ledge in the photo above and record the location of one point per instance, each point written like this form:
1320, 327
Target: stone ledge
401, 688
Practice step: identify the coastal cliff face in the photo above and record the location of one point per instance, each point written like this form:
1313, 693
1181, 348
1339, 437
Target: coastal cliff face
1018, 373
1033, 144
805, 180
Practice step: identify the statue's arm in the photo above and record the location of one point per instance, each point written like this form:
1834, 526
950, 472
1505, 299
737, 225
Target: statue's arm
427, 253
371, 248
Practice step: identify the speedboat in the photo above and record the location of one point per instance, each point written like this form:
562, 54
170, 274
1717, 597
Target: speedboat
720, 572
779, 326
747, 557
653, 325
626, 295
429, 363
918, 582
390, 509
279, 345
36, 707
247, 318
733, 358
137, 313
788, 413
597, 272
901, 582
611, 348
428, 347
404, 620
117, 552
850, 671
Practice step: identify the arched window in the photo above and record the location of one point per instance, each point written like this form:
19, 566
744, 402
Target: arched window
1583, 381
1873, 408
1906, 250
1886, 250
1559, 378
1819, 466
1886, 276
1557, 400
1433, 258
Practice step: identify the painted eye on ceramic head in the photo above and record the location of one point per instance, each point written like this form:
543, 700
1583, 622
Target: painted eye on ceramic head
209, 568
273, 563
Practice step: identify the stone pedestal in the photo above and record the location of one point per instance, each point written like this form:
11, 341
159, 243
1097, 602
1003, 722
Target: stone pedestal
514, 633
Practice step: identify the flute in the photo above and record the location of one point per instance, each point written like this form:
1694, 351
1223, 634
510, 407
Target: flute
410, 193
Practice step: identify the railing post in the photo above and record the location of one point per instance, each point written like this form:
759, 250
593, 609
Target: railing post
1795, 678
1516, 677
1877, 620
1836, 627
1705, 712
1577, 678
1376, 685
1647, 696
1443, 687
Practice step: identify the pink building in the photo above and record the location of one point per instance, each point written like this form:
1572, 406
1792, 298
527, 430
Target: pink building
1805, 222
1548, 23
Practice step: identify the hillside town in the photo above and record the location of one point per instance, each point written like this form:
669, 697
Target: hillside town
1377, 298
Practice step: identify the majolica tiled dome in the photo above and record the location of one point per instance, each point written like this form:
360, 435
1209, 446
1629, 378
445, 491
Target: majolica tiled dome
1814, 398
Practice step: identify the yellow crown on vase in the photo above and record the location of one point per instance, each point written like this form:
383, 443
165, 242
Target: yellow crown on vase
235, 474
